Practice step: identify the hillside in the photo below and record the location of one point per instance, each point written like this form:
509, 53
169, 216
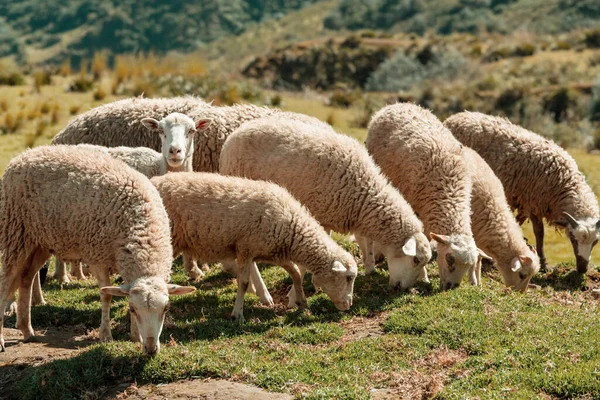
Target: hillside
82, 27
472, 16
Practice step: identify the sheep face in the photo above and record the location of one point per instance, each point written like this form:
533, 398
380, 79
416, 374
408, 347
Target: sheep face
338, 282
148, 304
457, 254
521, 270
583, 234
407, 265
177, 132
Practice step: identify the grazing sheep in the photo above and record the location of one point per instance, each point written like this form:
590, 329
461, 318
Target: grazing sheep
86, 206
217, 218
176, 132
495, 229
540, 179
424, 161
334, 177
120, 124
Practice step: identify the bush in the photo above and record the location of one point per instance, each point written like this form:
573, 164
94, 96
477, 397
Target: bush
343, 99
592, 39
99, 94
276, 100
508, 100
81, 84
13, 79
402, 72
524, 50
74, 110
595, 106
558, 103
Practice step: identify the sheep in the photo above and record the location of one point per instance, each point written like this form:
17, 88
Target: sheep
424, 161
540, 179
176, 132
334, 177
495, 229
86, 206
120, 124
217, 217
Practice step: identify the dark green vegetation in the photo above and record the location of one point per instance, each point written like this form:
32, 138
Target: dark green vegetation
472, 16
86, 26
487, 342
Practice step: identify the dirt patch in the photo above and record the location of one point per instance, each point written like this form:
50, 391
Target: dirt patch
362, 327
195, 389
51, 344
424, 381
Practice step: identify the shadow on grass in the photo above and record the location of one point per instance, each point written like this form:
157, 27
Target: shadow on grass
87, 373
564, 276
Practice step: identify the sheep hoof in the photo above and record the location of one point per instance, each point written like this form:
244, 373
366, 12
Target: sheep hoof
11, 309
2, 347
267, 300
31, 339
195, 274
62, 279
302, 304
239, 318
369, 271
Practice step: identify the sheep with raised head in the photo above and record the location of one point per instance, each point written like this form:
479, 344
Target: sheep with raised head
176, 132
424, 161
85, 206
120, 124
216, 218
540, 179
495, 229
336, 179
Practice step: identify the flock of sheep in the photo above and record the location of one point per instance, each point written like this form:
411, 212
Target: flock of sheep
243, 184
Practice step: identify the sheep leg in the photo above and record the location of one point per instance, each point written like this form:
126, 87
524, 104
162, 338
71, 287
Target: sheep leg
103, 278
538, 230
475, 274
8, 285
36, 262
367, 253
77, 271
61, 271
292, 297
260, 288
230, 267
190, 266
243, 279
296, 275
37, 297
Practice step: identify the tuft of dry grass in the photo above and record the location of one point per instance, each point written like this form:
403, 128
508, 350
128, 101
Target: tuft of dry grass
74, 109
3, 105
99, 64
99, 94
65, 68
54, 115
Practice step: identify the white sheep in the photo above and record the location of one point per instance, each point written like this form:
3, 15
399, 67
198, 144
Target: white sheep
495, 229
217, 218
120, 124
334, 177
85, 206
540, 179
424, 161
176, 132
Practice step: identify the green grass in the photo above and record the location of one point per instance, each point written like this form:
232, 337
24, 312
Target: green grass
511, 345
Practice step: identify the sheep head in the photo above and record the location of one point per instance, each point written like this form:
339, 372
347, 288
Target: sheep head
407, 264
583, 234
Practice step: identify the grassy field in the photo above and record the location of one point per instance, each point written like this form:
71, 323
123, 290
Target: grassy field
484, 342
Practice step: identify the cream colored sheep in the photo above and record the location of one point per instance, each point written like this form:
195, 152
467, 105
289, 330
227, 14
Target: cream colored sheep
424, 161
495, 229
334, 177
85, 206
120, 124
540, 179
217, 218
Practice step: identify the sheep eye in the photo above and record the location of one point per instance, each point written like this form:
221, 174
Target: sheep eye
349, 278
132, 310
522, 275
416, 260
450, 259
595, 242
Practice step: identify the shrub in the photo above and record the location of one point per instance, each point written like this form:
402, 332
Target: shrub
508, 100
54, 116
65, 68
331, 118
3, 105
45, 108
81, 84
497, 54
524, 50
402, 72
98, 65
12, 79
343, 99
595, 106
41, 77
99, 94
276, 100
74, 109
592, 39
558, 103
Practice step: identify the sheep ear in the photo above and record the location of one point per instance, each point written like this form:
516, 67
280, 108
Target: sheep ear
483, 255
410, 247
525, 260
122, 290
598, 226
203, 123
338, 267
150, 123
178, 290
515, 265
443, 239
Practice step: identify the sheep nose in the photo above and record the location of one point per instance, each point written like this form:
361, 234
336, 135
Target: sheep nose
175, 150
151, 347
